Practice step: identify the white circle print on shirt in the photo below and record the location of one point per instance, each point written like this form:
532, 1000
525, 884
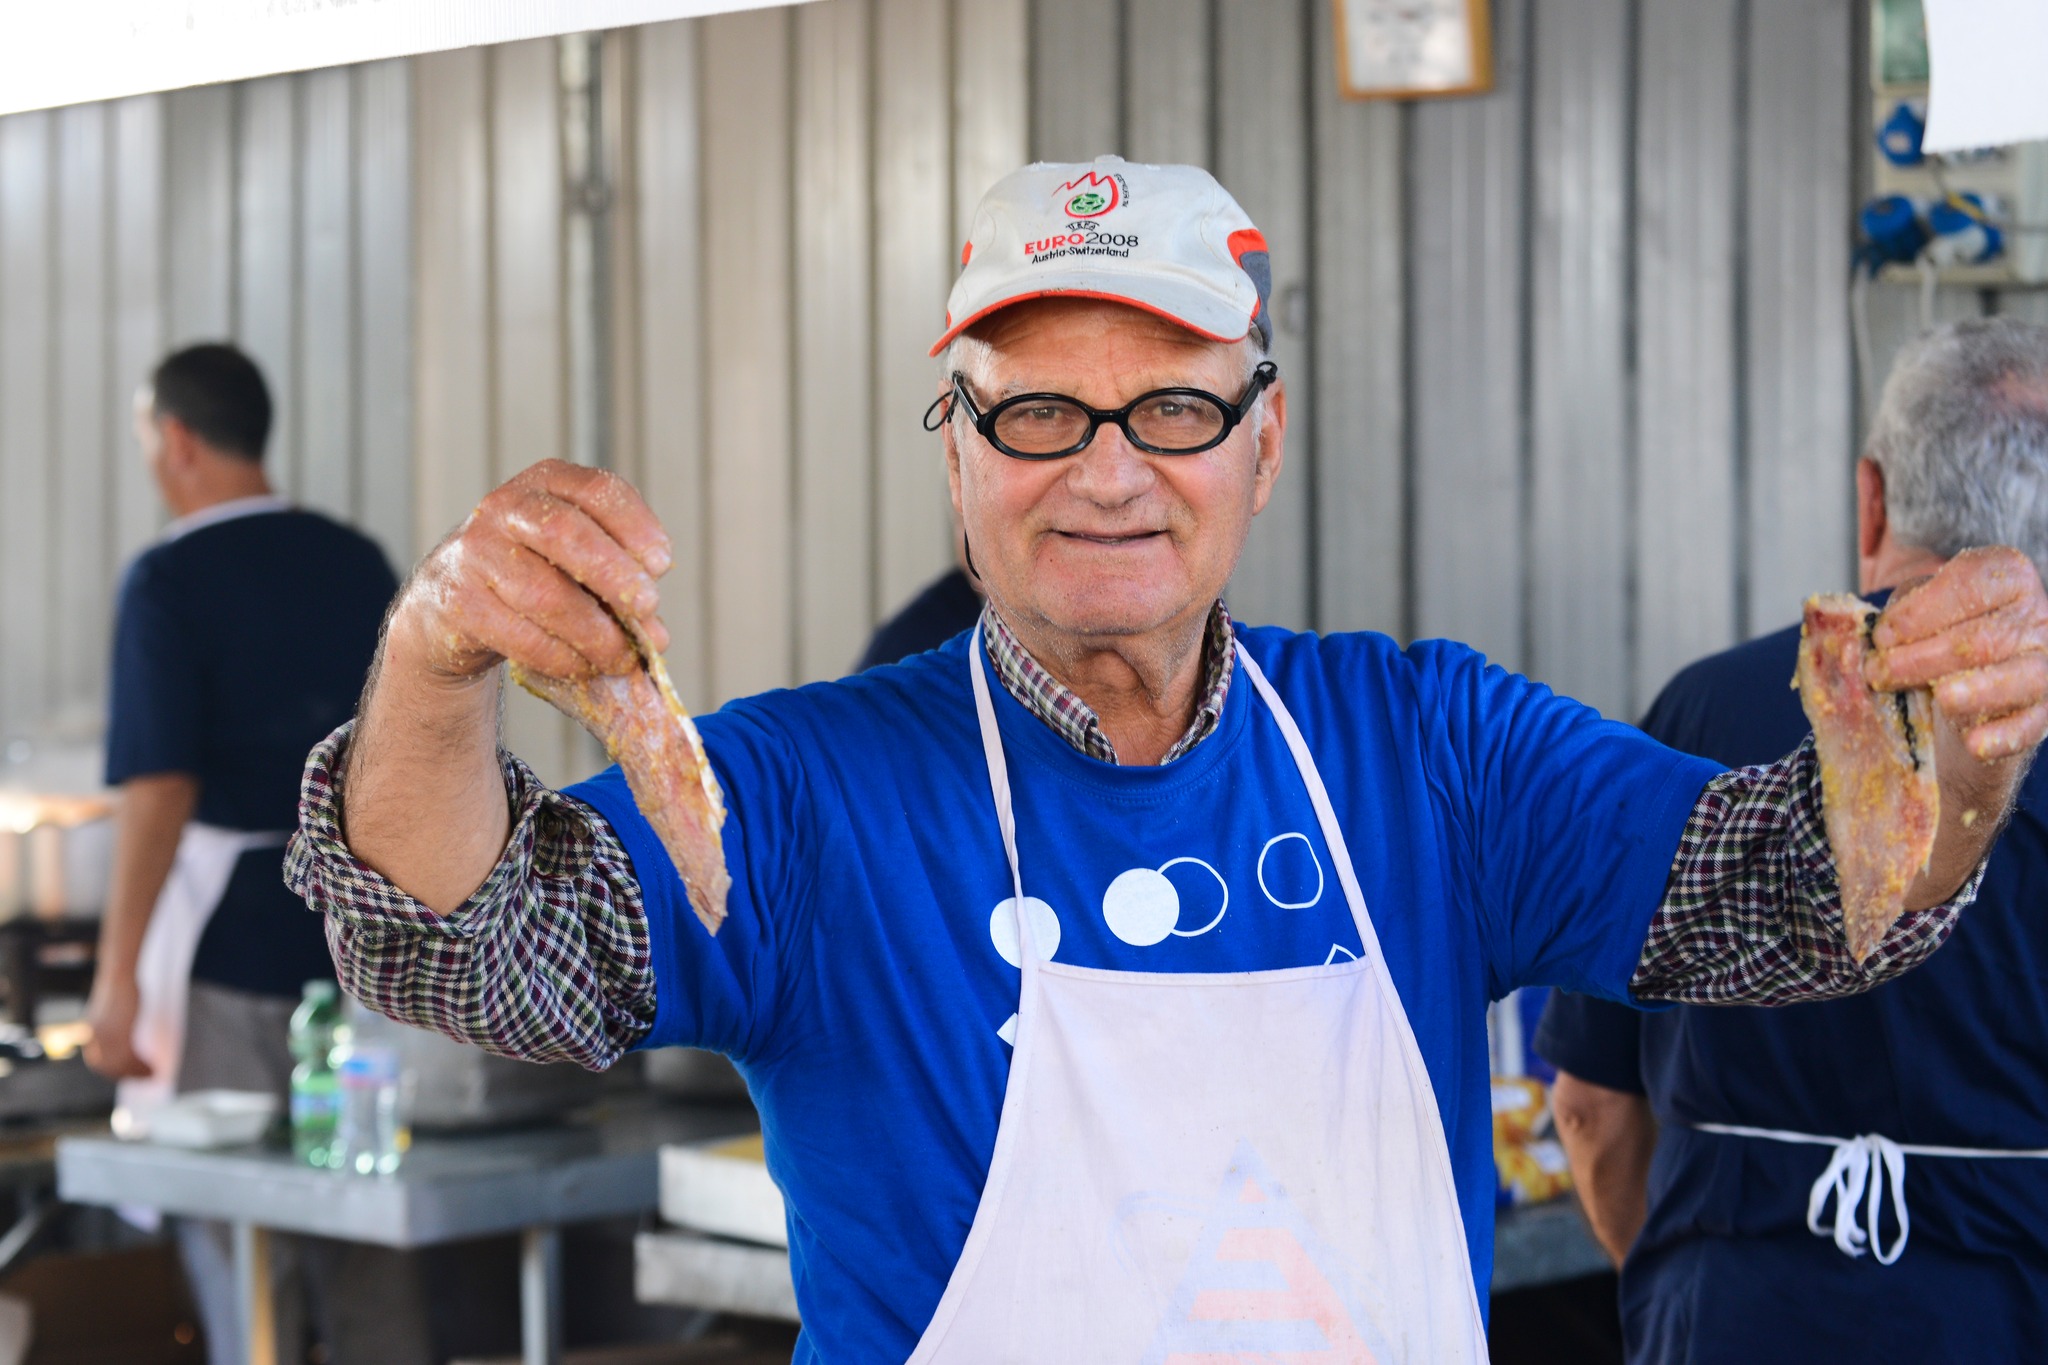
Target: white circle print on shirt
1045, 929
1222, 909
1291, 871
1142, 906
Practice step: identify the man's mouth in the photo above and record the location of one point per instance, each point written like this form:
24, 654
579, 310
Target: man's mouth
1111, 540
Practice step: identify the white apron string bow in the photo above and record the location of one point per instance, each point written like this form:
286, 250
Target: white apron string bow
1855, 1182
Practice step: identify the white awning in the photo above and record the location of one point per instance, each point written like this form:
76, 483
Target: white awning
68, 51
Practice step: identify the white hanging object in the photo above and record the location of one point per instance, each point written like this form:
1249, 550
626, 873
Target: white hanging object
1984, 73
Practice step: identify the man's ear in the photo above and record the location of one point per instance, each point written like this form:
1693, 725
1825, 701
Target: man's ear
1270, 443
180, 447
952, 461
1871, 519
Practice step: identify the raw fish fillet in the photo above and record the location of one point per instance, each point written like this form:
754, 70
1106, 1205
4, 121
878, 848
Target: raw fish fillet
1876, 754
643, 726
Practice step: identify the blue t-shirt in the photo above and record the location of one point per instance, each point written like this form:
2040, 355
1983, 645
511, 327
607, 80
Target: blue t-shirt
1502, 835
238, 646
1953, 1053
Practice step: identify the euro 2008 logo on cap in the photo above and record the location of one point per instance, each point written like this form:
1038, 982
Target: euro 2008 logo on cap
1093, 195
1086, 200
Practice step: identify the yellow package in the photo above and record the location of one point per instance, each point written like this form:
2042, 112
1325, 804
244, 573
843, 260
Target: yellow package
1528, 1163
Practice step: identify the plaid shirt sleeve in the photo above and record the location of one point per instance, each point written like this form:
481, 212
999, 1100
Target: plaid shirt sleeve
1752, 913
547, 961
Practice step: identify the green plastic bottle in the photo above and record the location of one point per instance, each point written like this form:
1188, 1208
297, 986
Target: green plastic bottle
316, 1100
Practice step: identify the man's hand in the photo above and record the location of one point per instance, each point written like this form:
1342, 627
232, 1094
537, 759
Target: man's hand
111, 1014
1976, 633
541, 573
147, 826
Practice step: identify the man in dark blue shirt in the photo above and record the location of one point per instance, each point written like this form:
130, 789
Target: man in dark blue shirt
945, 606
948, 605
242, 637
1790, 1144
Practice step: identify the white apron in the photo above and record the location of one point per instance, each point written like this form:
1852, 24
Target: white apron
1245, 1165
200, 872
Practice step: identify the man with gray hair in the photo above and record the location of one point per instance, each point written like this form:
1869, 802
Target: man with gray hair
1958, 446
1761, 1169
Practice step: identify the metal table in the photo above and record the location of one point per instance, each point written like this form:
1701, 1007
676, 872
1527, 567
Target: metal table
715, 1274
449, 1189
28, 1168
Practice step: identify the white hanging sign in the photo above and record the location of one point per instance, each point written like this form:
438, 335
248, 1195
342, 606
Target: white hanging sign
1986, 86
68, 51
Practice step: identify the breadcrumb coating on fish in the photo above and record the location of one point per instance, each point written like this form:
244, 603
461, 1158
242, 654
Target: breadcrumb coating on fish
1880, 798
648, 733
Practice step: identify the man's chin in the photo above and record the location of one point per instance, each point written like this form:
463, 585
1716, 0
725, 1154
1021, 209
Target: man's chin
1100, 617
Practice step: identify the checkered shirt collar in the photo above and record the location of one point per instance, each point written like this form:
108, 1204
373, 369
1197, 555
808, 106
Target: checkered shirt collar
1053, 702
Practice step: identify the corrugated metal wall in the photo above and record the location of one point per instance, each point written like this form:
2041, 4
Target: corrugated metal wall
1570, 363
277, 213
1575, 354
791, 192
490, 383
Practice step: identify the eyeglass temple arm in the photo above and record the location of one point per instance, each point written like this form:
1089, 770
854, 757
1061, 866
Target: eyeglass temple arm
941, 407
1264, 374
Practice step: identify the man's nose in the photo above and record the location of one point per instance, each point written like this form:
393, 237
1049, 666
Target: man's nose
1109, 470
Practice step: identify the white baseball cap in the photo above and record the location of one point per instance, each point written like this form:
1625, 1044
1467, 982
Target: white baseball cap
1167, 239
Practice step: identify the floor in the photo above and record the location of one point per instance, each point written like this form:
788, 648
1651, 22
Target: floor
1572, 1323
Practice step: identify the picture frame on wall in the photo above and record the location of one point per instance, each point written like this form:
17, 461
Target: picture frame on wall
1413, 49
1898, 44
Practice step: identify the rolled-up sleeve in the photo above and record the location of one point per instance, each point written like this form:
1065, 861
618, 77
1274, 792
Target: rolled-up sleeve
1752, 913
547, 961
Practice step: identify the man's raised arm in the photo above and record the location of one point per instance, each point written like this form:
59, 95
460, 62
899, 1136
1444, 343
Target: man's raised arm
521, 580
1753, 912
460, 894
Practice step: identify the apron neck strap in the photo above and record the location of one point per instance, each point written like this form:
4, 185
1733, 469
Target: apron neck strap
1318, 796
999, 789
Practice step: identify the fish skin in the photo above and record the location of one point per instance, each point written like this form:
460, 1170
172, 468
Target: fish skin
1880, 799
648, 733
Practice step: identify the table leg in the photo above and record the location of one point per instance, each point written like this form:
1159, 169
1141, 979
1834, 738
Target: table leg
18, 966
540, 1296
253, 1287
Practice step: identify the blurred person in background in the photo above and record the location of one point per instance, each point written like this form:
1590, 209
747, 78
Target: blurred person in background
241, 638
1761, 1169
948, 605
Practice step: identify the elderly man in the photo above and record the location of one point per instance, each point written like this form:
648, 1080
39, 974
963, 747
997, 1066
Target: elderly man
1049, 958
1756, 1117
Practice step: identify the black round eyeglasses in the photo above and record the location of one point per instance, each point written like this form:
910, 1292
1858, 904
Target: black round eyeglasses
1048, 426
